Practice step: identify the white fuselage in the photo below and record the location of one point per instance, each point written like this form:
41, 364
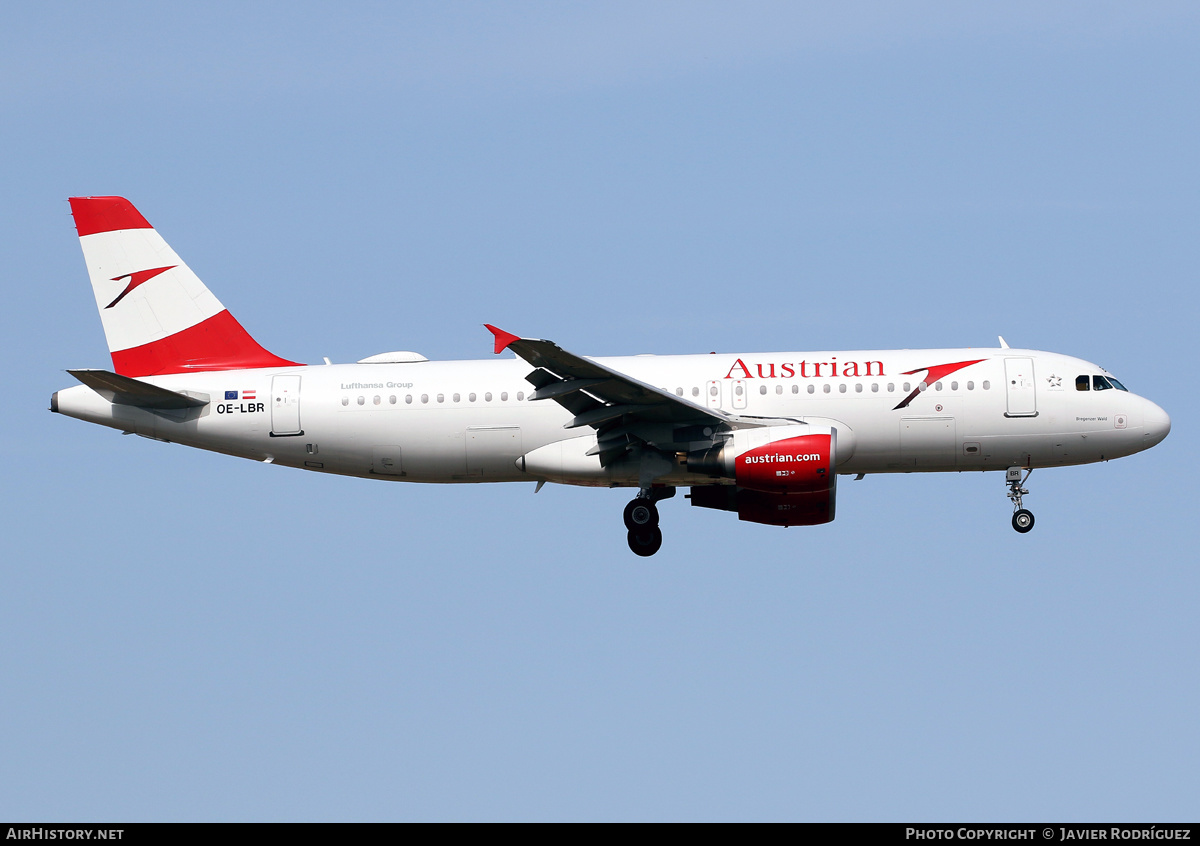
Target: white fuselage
471, 421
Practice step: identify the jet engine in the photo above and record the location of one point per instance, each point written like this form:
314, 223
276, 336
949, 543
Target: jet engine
782, 475
773, 459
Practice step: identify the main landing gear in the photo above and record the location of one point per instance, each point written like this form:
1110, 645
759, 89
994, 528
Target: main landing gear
1022, 519
641, 519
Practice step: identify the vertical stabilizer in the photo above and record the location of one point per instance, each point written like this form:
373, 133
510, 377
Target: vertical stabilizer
158, 316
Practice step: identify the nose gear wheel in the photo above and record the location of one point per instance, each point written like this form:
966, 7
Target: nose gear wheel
1022, 519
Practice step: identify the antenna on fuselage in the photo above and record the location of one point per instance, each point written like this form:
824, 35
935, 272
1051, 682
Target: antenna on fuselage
1003, 343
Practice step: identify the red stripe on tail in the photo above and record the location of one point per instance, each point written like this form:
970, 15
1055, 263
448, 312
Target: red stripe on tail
218, 343
105, 214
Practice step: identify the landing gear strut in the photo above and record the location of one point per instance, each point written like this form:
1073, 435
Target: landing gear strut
1022, 519
641, 519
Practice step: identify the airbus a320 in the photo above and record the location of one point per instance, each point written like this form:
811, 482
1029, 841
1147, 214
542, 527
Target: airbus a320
761, 435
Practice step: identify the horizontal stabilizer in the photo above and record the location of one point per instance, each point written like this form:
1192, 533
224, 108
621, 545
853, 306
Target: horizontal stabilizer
122, 390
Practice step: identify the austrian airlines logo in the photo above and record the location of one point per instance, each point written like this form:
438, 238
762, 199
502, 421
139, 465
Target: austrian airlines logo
933, 374
135, 279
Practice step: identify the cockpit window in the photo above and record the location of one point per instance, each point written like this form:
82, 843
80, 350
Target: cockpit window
1099, 383
1118, 385
1081, 383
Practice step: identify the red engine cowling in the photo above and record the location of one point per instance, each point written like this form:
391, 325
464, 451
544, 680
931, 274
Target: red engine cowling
800, 464
783, 475
798, 509
775, 459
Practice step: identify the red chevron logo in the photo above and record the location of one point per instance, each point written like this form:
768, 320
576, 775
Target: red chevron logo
135, 279
933, 374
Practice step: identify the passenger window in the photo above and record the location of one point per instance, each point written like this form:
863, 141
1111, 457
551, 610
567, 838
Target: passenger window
907, 387
441, 397
1099, 383
695, 392
987, 386
842, 388
795, 388
345, 400
937, 386
762, 389
812, 389
874, 387
779, 389
376, 400
408, 399
487, 397
679, 392
457, 397
858, 388
392, 399
712, 391
825, 388
954, 386
1082, 383
504, 396
970, 386
738, 390
891, 387
471, 397
424, 397
520, 395
362, 400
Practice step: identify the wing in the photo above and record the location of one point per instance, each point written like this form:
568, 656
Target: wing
624, 412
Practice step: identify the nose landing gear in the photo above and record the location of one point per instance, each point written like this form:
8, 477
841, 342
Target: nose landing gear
641, 519
1022, 519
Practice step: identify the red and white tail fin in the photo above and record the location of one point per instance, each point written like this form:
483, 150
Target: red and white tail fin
158, 316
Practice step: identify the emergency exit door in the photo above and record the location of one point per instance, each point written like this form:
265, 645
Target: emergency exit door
285, 406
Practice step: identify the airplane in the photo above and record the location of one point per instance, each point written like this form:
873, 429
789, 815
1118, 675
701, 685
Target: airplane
763, 435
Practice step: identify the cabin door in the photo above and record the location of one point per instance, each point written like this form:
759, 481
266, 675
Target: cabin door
285, 406
1018, 382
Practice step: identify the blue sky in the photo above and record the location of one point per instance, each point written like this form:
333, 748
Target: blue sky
188, 636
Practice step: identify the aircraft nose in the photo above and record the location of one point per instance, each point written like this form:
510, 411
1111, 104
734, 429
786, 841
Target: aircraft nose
1157, 424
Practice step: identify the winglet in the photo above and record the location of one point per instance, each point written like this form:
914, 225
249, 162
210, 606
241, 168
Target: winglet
503, 339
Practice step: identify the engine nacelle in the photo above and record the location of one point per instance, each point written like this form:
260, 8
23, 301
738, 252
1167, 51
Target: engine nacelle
773, 459
798, 509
